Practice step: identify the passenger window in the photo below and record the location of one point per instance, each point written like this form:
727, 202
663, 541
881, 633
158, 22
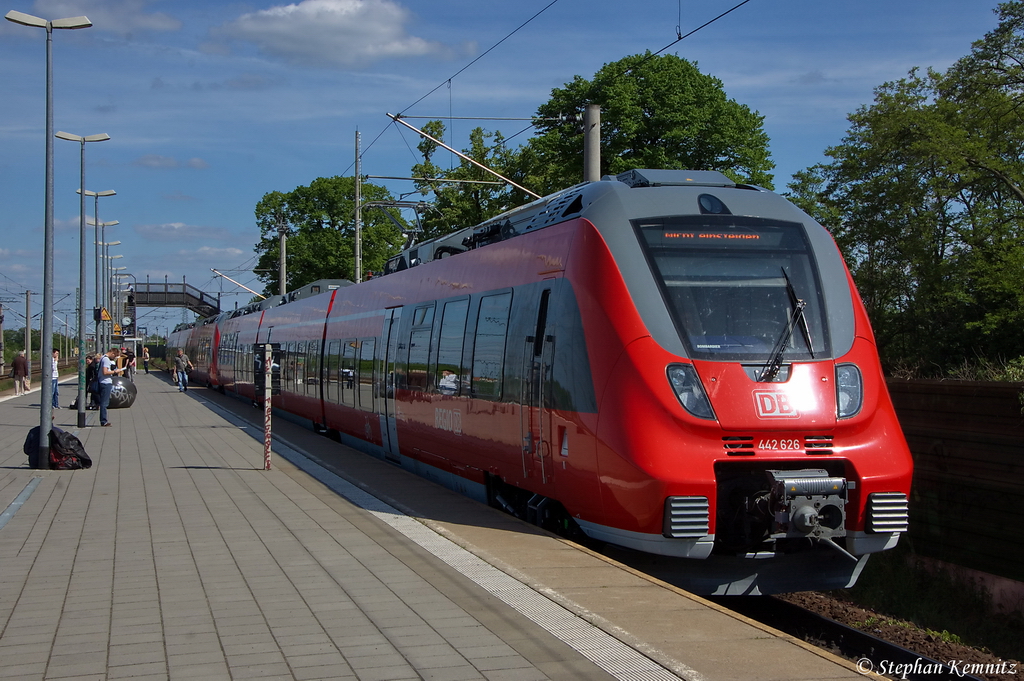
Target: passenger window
366, 374
419, 348
489, 349
332, 372
348, 373
448, 380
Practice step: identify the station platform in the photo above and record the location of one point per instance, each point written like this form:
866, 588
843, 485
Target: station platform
176, 556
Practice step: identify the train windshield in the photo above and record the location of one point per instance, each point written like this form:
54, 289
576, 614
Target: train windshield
734, 286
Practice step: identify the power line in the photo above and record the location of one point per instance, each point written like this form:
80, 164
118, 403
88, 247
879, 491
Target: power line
448, 80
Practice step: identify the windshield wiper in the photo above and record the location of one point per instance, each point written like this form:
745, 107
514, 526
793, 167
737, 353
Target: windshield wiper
774, 363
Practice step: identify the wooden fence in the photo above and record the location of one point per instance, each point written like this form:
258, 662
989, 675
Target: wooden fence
967, 502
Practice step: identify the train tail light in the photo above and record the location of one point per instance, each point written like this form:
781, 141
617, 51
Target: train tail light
690, 391
849, 390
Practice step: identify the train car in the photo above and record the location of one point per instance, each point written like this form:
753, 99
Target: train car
663, 360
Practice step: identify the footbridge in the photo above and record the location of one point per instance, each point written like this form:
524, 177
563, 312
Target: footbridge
150, 294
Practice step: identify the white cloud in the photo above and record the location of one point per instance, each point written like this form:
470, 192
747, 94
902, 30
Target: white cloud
115, 16
332, 33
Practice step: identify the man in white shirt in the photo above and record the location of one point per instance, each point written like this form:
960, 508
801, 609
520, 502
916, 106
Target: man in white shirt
108, 369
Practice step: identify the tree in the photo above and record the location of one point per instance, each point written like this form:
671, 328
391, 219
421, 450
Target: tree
478, 195
320, 220
657, 112
924, 195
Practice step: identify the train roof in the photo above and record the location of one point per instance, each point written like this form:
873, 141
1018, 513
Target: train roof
552, 209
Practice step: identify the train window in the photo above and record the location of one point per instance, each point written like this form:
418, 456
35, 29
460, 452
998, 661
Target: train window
313, 368
489, 349
448, 378
299, 372
732, 284
348, 373
419, 359
288, 366
332, 372
419, 348
366, 374
423, 315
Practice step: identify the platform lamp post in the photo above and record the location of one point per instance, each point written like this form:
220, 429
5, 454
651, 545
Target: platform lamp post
100, 232
42, 455
115, 296
101, 137
96, 234
108, 283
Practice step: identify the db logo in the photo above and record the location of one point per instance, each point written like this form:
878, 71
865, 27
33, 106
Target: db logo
773, 405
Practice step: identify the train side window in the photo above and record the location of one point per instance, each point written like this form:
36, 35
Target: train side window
313, 368
448, 379
288, 366
419, 348
366, 363
348, 373
489, 350
332, 372
299, 374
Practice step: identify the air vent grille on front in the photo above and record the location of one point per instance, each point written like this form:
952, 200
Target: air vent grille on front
818, 444
738, 444
686, 517
888, 512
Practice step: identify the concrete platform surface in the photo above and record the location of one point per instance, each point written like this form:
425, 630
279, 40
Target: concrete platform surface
176, 556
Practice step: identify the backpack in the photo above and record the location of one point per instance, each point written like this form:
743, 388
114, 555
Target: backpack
66, 451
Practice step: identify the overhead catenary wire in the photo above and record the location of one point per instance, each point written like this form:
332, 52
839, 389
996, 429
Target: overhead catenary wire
679, 37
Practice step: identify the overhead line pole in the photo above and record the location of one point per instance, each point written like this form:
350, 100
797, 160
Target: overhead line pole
359, 219
398, 119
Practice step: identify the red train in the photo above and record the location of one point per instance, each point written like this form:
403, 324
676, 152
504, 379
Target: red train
663, 360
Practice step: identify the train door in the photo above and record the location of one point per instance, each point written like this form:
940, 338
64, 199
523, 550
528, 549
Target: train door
386, 382
535, 414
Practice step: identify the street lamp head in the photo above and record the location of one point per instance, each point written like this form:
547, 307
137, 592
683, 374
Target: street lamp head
29, 20
101, 137
71, 22
25, 19
105, 192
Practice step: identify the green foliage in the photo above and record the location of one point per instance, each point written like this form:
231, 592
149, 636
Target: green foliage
464, 204
657, 112
925, 197
320, 220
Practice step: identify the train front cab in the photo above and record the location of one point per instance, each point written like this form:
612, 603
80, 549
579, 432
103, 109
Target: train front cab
754, 408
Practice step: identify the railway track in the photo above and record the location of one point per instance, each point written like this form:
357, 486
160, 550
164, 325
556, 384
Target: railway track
868, 652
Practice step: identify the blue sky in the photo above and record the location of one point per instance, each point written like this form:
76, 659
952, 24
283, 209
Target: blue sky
210, 104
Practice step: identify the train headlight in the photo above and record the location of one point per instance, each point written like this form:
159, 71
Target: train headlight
690, 391
849, 390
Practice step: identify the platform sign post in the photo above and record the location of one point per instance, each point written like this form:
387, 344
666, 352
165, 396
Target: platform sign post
268, 360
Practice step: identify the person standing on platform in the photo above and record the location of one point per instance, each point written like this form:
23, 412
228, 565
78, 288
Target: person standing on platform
182, 365
129, 364
108, 369
55, 378
20, 373
145, 359
92, 384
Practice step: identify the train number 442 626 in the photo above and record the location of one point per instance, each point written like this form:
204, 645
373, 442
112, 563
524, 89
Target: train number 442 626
783, 444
